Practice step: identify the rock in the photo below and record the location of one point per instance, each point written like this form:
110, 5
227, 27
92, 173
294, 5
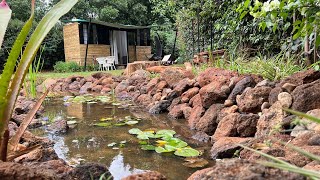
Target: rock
226, 111
97, 88
289, 87
187, 112
152, 84
215, 74
74, 86
314, 140
175, 102
59, 167
248, 81
186, 96
57, 87
285, 99
236, 169
159, 107
122, 86
59, 126
183, 85
177, 111
251, 100
314, 165
89, 171
161, 85
246, 125
46, 85
172, 76
38, 155
195, 101
106, 90
307, 125
265, 105
215, 92
207, 122
157, 97
144, 100
195, 115
226, 147
99, 75
85, 87
107, 81
138, 77
266, 82
306, 97
300, 78
273, 96
202, 137
152, 175
226, 127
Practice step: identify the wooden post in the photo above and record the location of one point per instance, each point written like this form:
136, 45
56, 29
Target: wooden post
87, 47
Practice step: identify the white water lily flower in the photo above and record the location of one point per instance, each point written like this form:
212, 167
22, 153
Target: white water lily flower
5, 15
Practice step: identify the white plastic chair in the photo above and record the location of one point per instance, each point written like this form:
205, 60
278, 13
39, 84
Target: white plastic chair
102, 63
110, 60
166, 59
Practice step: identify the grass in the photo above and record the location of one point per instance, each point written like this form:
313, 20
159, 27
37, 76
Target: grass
53, 75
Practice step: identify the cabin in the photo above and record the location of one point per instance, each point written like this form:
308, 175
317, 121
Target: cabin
127, 43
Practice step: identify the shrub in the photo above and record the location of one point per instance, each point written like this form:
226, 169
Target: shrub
62, 67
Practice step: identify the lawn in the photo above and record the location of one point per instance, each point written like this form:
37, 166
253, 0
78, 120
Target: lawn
53, 75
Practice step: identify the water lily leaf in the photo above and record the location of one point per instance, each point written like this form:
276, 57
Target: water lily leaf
161, 143
143, 142
135, 131
187, 152
148, 147
71, 122
195, 162
103, 124
106, 119
112, 144
161, 150
145, 135
132, 122
120, 124
170, 148
165, 133
178, 143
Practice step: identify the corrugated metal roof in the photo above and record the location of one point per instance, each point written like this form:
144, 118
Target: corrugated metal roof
117, 26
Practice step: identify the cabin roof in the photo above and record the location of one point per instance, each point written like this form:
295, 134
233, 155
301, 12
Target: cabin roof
113, 25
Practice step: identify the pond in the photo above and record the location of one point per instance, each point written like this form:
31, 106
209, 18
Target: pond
114, 146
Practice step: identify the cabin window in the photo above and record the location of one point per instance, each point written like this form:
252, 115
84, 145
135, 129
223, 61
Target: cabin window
98, 34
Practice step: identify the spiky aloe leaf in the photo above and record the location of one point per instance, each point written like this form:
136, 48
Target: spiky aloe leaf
11, 63
5, 15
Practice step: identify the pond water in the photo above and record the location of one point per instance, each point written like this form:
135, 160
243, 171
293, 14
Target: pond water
88, 143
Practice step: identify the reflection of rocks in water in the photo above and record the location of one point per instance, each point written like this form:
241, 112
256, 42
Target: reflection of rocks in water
119, 169
59, 146
76, 110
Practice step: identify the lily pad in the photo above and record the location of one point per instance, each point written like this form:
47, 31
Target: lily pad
166, 134
106, 119
132, 122
187, 152
135, 131
103, 124
120, 124
177, 143
148, 147
143, 142
71, 122
145, 135
163, 150
112, 144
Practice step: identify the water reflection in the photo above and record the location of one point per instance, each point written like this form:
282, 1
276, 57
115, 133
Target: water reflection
119, 169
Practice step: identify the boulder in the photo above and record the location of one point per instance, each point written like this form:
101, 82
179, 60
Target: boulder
215, 74
161, 85
195, 115
248, 81
46, 85
159, 107
207, 122
152, 84
138, 77
122, 86
183, 85
107, 81
85, 87
306, 125
195, 101
144, 100
306, 97
88, 171
59, 126
285, 99
226, 127
226, 111
236, 169
172, 76
215, 92
273, 96
300, 78
99, 75
97, 88
176, 112
106, 90
74, 86
175, 102
201, 136
250, 100
186, 96
226, 147
247, 125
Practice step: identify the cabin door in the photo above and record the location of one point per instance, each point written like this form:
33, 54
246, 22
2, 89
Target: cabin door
119, 47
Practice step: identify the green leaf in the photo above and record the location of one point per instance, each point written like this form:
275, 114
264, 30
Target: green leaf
178, 143
135, 131
43, 28
317, 43
148, 147
145, 135
246, 3
165, 133
297, 35
311, 118
187, 152
103, 124
162, 150
243, 14
5, 15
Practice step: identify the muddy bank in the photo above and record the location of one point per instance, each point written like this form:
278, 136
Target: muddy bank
225, 108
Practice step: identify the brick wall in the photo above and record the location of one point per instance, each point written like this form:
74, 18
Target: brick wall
71, 42
94, 51
142, 51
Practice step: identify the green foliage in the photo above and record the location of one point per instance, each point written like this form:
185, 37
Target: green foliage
63, 67
9, 89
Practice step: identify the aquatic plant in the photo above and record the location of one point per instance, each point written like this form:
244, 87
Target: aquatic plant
167, 143
11, 81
